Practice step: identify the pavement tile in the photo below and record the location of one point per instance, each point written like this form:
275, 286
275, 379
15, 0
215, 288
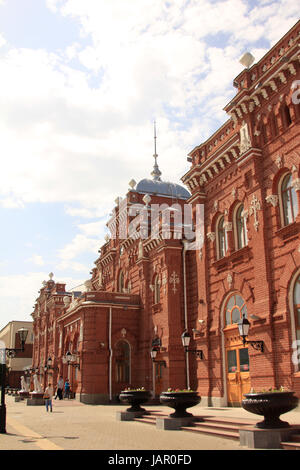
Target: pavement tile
76, 426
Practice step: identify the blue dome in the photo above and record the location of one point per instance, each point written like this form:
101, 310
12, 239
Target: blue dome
162, 188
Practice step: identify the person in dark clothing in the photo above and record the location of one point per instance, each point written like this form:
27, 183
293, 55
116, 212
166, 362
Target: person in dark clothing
60, 387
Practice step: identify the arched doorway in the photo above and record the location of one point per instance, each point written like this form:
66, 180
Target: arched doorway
237, 364
122, 365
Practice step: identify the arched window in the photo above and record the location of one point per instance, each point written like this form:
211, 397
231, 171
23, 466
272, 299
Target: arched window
222, 243
289, 201
240, 228
235, 309
286, 116
273, 125
296, 300
122, 355
121, 282
264, 134
156, 290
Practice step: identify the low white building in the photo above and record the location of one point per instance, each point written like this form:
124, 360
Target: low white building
9, 339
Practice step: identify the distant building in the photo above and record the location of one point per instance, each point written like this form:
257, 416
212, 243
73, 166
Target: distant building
17, 365
146, 290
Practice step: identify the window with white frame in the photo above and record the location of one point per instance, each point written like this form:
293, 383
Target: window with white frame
241, 237
222, 242
296, 300
288, 201
121, 282
156, 290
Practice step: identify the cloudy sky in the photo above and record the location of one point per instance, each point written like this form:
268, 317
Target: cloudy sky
81, 83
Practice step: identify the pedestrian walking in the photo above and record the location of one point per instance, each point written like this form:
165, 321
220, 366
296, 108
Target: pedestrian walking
67, 389
48, 395
60, 388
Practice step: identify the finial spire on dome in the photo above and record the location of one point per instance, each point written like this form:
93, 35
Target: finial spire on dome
156, 172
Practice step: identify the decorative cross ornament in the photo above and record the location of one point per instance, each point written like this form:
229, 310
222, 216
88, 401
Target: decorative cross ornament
174, 279
254, 207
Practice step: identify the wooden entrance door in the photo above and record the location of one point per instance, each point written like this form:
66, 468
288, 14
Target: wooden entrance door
236, 355
238, 374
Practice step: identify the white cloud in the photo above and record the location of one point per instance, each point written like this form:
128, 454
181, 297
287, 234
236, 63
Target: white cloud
2, 39
76, 125
37, 259
81, 244
25, 288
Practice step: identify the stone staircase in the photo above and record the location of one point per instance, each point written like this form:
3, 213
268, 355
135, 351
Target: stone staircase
293, 444
224, 427
221, 427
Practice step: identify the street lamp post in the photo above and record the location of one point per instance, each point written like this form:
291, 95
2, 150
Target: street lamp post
8, 352
244, 326
186, 338
153, 354
71, 360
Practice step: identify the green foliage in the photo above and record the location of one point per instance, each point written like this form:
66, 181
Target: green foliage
270, 390
141, 389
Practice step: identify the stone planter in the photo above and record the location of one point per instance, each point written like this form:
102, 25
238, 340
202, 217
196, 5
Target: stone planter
36, 399
270, 405
135, 398
180, 401
23, 394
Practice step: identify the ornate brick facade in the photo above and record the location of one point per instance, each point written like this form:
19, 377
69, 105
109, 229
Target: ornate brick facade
146, 291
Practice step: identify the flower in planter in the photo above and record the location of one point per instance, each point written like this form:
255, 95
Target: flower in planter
177, 390
270, 390
128, 389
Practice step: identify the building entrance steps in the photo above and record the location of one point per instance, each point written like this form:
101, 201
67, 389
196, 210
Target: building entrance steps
221, 427
227, 427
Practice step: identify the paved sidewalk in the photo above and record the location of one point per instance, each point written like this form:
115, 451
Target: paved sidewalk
75, 426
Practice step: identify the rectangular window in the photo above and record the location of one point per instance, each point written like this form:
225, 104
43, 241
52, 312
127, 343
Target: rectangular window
244, 359
231, 361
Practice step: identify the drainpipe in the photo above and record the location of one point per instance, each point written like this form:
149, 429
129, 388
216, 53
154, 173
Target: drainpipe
110, 354
185, 243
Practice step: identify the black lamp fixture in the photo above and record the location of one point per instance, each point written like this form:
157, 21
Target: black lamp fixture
22, 334
244, 326
71, 359
8, 352
153, 354
48, 365
186, 338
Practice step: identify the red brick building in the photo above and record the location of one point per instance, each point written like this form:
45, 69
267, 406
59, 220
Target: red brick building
146, 290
